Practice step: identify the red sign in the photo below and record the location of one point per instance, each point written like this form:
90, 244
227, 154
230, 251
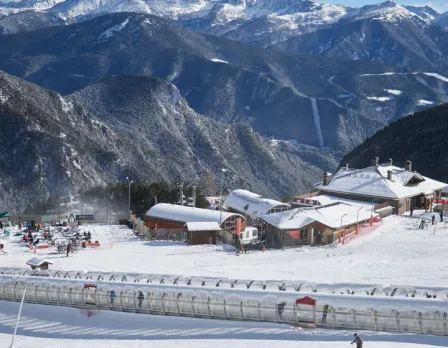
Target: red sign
306, 301
294, 234
440, 201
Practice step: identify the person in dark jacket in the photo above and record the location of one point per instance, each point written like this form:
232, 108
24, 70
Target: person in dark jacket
112, 296
325, 312
441, 216
69, 248
140, 298
433, 219
358, 341
281, 309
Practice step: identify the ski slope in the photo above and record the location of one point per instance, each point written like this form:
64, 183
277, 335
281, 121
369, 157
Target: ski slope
395, 253
44, 326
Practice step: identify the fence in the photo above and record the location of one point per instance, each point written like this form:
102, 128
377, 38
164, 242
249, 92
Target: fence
427, 316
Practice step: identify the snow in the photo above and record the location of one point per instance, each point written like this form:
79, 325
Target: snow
423, 102
3, 98
393, 91
382, 74
216, 60
67, 106
333, 216
372, 181
111, 31
437, 76
381, 99
202, 226
250, 203
396, 252
317, 122
180, 213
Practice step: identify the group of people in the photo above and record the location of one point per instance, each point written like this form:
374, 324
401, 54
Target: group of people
140, 298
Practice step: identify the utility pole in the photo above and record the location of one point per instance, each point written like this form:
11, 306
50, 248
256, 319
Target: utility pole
129, 195
223, 170
194, 195
107, 204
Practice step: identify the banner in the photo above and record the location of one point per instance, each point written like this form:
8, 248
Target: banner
440, 201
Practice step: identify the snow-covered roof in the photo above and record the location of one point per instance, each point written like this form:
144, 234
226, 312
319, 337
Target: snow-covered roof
202, 226
329, 215
186, 214
251, 204
327, 199
373, 181
36, 262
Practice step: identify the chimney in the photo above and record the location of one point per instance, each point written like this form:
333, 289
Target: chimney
389, 175
376, 162
391, 162
346, 167
408, 166
326, 179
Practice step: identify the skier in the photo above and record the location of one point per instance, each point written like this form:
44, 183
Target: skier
325, 311
69, 248
433, 219
35, 244
358, 341
412, 211
140, 297
441, 216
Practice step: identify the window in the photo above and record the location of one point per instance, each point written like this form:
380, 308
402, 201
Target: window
241, 235
254, 233
247, 235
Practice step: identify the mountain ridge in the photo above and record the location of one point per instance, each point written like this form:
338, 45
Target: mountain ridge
56, 145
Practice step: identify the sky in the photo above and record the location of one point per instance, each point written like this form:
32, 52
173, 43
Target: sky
438, 5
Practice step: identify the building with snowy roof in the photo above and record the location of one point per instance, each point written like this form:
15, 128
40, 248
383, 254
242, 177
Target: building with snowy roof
315, 225
253, 205
202, 232
382, 183
175, 217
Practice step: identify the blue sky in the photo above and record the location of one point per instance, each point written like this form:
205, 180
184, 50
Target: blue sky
439, 5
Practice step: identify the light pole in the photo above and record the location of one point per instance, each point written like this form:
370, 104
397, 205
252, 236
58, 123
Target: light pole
340, 228
220, 197
129, 195
357, 214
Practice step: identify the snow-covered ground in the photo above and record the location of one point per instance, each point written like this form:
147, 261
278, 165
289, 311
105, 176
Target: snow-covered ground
395, 253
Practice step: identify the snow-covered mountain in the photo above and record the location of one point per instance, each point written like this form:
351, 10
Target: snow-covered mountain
428, 14
386, 32
260, 22
316, 101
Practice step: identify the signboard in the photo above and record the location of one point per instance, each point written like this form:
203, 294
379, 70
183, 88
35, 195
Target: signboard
84, 218
440, 201
294, 234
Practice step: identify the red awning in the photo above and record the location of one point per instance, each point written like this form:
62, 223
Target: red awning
306, 301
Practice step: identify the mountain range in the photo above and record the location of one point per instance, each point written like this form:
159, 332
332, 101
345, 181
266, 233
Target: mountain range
132, 126
314, 101
277, 91
415, 37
